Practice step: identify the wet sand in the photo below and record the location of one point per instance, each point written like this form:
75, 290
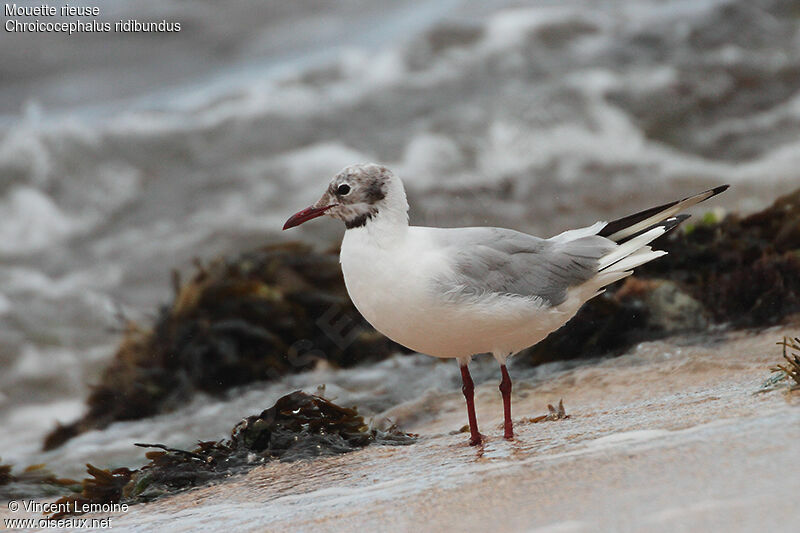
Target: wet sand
667, 437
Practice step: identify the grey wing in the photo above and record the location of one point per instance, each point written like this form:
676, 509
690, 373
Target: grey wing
502, 261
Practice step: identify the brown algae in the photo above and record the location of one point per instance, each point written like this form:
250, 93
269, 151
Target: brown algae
298, 426
791, 369
269, 312
554, 413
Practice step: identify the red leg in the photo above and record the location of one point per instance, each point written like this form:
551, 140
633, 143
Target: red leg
505, 390
469, 394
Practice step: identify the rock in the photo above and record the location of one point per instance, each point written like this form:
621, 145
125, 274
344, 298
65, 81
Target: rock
673, 310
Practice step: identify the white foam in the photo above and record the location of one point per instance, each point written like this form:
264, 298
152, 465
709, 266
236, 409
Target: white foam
316, 163
31, 221
626, 438
566, 526
703, 508
33, 362
25, 424
507, 28
28, 281
428, 157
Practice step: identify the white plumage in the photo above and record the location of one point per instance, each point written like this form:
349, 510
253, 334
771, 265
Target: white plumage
465, 291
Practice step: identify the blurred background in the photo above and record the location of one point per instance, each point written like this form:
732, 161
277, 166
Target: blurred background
125, 155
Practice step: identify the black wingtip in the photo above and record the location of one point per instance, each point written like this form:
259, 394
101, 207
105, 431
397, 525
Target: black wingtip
625, 222
673, 222
668, 224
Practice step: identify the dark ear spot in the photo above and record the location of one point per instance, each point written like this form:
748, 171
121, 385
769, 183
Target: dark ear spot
375, 190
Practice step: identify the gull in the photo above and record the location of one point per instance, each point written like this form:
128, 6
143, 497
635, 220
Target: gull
459, 292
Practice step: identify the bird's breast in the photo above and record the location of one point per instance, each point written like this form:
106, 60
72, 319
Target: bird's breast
388, 286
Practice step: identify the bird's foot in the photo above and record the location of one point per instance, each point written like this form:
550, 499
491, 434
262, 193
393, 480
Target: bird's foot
476, 440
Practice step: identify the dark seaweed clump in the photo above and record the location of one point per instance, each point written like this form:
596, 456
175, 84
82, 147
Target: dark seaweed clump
36, 480
298, 426
742, 272
269, 312
745, 270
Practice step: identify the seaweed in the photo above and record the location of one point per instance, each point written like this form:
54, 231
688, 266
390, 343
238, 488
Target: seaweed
35, 480
105, 486
5, 474
554, 413
266, 313
744, 270
298, 426
792, 369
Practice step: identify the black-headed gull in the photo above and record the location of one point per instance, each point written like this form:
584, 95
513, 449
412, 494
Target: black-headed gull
457, 292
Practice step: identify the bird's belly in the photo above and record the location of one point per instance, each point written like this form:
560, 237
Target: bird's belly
403, 307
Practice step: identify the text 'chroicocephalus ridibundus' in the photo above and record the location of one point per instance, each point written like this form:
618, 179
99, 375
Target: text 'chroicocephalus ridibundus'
457, 292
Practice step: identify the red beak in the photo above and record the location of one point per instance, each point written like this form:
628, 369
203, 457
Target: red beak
305, 215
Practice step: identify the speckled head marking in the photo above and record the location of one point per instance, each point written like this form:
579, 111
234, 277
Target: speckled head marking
358, 192
357, 195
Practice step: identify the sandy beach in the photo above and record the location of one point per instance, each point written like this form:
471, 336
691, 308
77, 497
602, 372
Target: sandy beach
668, 437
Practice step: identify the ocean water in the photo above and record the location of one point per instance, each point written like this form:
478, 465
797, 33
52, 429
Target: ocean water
125, 156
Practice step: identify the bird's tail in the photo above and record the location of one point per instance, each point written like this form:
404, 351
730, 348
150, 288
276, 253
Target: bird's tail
626, 228
634, 233
620, 262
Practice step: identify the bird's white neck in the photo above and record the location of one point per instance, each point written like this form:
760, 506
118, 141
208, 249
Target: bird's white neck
390, 223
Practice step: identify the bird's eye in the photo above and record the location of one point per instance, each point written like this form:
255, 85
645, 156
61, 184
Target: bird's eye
343, 189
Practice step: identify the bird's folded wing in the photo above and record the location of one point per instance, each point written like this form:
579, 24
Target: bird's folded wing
502, 261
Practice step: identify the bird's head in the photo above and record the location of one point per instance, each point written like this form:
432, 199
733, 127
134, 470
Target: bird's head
356, 195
